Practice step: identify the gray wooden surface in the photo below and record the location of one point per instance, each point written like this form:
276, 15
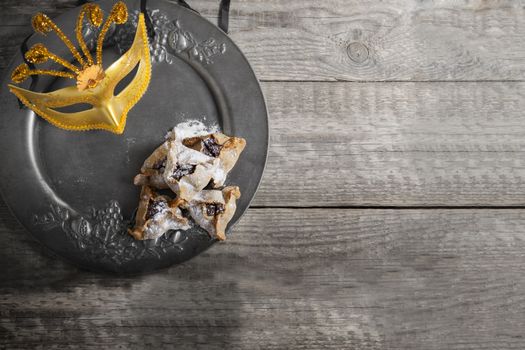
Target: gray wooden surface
391, 216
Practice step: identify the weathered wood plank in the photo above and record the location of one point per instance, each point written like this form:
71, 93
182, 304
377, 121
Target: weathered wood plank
354, 39
395, 144
19, 12
399, 144
306, 279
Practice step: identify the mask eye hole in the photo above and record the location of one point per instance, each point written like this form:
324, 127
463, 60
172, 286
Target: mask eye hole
127, 79
78, 107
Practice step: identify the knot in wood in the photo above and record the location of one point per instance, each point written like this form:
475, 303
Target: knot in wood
358, 52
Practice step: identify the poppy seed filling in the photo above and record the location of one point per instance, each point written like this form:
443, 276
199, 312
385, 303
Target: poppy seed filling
211, 147
160, 164
214, 209
183, 170
155, 207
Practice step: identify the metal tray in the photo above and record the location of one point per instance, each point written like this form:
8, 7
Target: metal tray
73, 191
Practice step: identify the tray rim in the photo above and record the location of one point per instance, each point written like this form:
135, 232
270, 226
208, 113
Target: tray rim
4, 77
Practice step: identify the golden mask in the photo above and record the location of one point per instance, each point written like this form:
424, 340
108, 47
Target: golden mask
94, 85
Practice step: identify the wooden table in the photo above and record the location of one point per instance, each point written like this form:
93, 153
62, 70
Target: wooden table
391, 215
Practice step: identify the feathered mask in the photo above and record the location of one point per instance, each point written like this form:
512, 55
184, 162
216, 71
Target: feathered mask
94, 85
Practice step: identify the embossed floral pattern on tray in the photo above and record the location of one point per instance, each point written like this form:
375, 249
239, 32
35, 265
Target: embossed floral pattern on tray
102, 236
170, 39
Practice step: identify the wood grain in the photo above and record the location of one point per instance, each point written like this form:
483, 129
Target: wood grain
353, 39
306, 279
329, 278
395, 144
